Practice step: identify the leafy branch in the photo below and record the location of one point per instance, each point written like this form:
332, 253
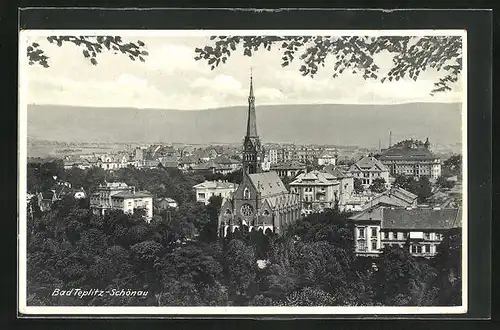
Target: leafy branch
91, 46
410, 55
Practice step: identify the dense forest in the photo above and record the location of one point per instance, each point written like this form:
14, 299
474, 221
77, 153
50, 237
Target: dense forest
179, 261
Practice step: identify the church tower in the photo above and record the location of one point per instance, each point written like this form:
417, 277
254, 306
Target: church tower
252, 149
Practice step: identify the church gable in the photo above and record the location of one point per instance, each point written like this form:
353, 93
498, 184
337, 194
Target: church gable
246, 190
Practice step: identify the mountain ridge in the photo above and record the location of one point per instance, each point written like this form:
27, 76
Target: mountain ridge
347, 124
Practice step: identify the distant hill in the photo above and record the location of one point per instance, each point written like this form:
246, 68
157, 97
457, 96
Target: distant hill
361, 125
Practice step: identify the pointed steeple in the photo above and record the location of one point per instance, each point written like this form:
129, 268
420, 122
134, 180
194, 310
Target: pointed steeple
252, 120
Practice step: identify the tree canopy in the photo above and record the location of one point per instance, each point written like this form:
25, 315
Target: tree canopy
410, 55
90, 46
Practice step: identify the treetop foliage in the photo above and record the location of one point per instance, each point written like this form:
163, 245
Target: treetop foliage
410, 55
90, 46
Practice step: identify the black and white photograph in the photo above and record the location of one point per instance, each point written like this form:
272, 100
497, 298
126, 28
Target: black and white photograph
242, 172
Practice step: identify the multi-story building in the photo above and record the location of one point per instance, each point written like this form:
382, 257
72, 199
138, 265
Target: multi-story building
394, 197
368, 169
308, 154
207, 189
346, 184
288, 169
316, 190
287, 153
261, 201
412, 158
120, 196
418, 229
272, 153
327, 159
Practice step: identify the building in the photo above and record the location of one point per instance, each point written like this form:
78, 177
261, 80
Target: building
165, 203
186, 163
120, 196
212, 167
346, 184
308, 154
316, 191
327, 159
207, 189
261, 201
368, 169
418, 229
288, 169
412, 158
394, 197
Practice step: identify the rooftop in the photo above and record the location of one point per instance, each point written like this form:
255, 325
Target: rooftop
129, 194
415, 218
268, 183
216, 185
315, 177
369, 163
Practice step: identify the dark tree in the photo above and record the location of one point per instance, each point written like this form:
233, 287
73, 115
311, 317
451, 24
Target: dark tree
358, 186
411, 55
378, 185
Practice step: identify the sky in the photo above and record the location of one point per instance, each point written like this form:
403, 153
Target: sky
171, 79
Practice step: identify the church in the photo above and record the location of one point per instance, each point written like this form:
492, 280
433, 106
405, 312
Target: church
261, 201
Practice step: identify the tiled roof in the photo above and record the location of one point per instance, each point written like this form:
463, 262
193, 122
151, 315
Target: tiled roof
282, 200
369, 164
216, 185
315, 177
421, 218
267, 183
402, 194
417, 153
415, 218
385, 200
129, 194
336, 171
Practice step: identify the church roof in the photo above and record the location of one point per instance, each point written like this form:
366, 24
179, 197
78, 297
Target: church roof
267, 183
282, 200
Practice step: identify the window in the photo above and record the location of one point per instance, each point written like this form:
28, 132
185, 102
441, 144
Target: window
427, 236
374, 232
266, 212
201, 195
361, 245
386, 235
246, 210
405, 235
416, 249
246, 193
361, 232
426, 249
374, 245
228, 211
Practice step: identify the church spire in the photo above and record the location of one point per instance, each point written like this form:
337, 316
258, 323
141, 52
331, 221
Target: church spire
252, 120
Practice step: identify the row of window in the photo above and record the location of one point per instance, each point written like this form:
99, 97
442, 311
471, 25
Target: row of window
397, 235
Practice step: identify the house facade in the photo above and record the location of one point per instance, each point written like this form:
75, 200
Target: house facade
316, 191
367, 169
412, 158
207, 189
420, 230
288, 169
120, 196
